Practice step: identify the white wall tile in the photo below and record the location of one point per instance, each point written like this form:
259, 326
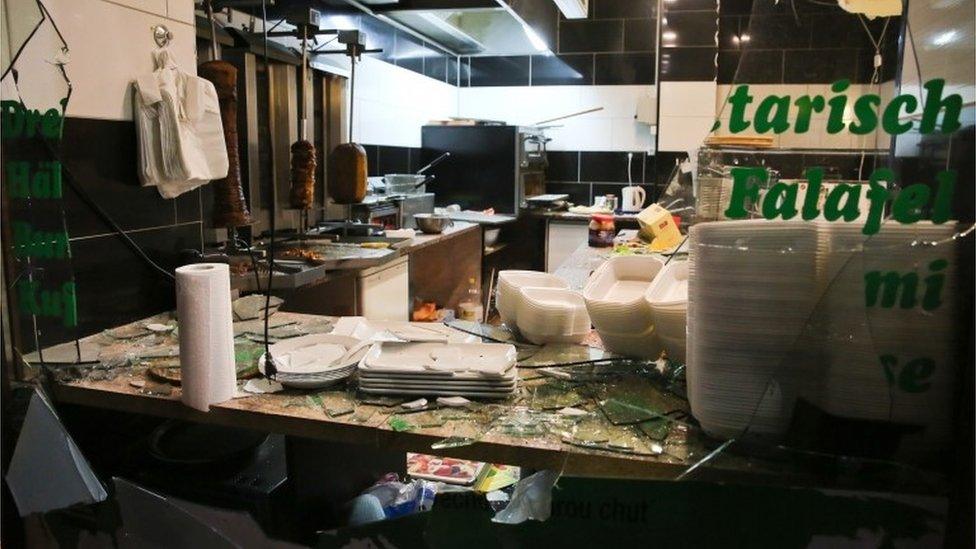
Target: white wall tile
687, 98
610, 129
682, 133
392, 103
582, 134
110, 45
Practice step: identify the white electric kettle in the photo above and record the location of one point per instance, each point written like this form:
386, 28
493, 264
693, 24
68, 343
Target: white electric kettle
633, 198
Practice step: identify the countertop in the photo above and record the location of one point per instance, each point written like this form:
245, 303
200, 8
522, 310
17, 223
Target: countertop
570, 216
313, 274
522, 429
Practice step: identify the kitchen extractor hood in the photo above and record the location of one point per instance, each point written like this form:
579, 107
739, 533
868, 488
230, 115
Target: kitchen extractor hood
478, 31
573, 9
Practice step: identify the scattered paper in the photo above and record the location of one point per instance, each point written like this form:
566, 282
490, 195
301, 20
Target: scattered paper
569, 411
415, 404
455, 401
263, 385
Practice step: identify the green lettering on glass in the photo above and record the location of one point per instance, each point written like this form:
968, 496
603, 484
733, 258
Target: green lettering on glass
739, 99
835, 119
850, 195
59, 303
43, 182
773, 113
878, 195
805, 107
942, 205
16, 121
745, 185
874, 281
39, 244
865, 114
815, 183
934, 104
890, 118
914, 377
780, 201
934, 284
907, 207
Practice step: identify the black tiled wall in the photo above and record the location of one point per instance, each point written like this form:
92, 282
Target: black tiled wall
386, 159
615, 45
769, 43
584, 175
688, 40
113, 285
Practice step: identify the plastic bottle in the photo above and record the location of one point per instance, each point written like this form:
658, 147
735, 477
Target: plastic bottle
471, 308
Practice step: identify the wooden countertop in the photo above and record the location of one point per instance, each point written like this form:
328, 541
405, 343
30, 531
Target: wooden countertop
315, 274
295, 413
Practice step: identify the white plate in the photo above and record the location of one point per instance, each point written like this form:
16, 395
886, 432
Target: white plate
437, 392
490, 359
440, 386
319, 353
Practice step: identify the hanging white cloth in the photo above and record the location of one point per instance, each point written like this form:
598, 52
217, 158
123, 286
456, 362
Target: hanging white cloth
181, 137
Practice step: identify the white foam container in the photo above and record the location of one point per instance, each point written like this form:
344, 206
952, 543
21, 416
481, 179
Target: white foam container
510, 284
616, 294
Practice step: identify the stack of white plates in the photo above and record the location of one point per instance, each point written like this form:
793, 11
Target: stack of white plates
509, 293
314, 361
750, 293
668, 297
891, 361
552, 315
616, 299
485, 370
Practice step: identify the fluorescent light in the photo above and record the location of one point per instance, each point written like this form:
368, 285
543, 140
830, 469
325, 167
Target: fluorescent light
745, 38
573, 9
669, 35
944, 38
537, 42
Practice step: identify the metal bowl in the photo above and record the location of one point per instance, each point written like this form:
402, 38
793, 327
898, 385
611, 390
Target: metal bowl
432, 223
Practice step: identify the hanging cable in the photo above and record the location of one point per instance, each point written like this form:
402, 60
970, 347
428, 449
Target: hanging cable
270, 370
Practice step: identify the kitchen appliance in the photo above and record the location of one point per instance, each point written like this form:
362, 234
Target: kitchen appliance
384, 213
633, 198
410, 204
399, 183
491, 166
403, 183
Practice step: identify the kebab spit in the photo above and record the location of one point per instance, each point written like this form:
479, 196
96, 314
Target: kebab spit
302, 192
230, 208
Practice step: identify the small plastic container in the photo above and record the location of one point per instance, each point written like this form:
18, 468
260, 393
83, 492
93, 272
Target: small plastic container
602, 230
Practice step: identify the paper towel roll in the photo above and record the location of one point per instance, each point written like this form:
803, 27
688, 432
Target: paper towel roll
207, 364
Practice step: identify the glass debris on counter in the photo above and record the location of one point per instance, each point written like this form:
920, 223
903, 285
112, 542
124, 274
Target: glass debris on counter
399, 424
253, 306
453, 442
564, 355
554, 394
338, 403
635, 400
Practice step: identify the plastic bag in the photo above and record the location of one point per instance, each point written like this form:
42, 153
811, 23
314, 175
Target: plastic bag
532, 499
399, 499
